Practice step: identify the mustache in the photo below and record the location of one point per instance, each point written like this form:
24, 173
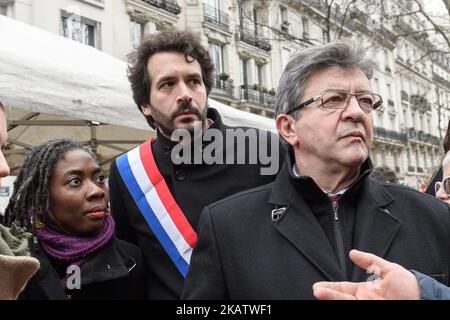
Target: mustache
185, 106
343, 131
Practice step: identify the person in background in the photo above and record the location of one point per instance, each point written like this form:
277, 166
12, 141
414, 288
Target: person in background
384, 174
158, 191
16, 267
438, 175
275, 241
442, 187
393, 282
61, 198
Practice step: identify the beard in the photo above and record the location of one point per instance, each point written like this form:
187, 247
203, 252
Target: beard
166, 124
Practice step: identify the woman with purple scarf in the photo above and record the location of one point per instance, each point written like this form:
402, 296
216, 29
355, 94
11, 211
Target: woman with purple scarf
60, 196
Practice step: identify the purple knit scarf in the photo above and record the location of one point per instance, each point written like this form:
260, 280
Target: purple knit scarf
71, 248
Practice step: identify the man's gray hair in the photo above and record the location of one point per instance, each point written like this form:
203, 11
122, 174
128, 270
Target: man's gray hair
301, 67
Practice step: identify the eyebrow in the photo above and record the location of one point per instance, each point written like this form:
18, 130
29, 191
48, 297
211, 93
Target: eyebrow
173, 77
357, 91
80, 172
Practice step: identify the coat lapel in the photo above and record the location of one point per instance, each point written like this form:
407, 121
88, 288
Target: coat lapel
300, 227
375, 227
46, 278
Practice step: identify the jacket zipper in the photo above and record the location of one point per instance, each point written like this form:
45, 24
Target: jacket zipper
339, 239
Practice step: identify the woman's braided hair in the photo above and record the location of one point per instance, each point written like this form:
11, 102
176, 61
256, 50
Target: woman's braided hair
29, 200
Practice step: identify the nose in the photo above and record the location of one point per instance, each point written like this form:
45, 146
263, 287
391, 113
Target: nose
4, 168
96, 192
352, 111
184, 93
441, 195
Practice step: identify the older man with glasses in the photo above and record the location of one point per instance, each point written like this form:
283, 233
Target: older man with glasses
442, 188
276, 241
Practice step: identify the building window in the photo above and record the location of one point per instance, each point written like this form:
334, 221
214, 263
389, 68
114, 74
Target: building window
417, 158
305, 26
80, 29
425, 162
136, 32
383, 157
405, 118
243, 68
260, 73
396, 161
3, 9
216, 53
284, 19
387, 65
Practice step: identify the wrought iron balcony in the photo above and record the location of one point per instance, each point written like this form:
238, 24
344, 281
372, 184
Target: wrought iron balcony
216, 17
412, 134
420, 135
223, 87
251, 36
168, 5
390, 135
257, 97
435, 140
420, 102
441, 80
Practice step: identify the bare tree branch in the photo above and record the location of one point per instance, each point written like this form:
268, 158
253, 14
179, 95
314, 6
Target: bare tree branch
437, 27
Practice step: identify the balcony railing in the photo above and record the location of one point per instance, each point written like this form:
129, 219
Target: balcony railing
257, 97
423, 137
223, 87
168, 5
216, 16
412, 134
420, 102
254, 38
394, 136
435, 140
441, 80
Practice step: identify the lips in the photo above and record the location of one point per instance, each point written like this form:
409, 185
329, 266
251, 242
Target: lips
185, 113
97, 213
355, 134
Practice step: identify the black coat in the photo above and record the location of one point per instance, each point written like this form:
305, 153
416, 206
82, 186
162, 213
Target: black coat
116, 271
242, 254
193, 187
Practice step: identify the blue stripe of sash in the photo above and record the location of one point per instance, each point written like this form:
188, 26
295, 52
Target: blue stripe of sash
141, 201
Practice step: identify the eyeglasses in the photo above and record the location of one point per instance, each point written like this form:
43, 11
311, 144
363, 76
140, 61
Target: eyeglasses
443, 184
339, 99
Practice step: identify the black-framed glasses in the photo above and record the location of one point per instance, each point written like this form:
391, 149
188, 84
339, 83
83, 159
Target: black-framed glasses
445, 183
340, 99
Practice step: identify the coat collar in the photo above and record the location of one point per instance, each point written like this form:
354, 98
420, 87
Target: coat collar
107, 264
375, 227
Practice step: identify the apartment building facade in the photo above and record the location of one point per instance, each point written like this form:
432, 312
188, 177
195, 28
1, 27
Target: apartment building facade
251, 41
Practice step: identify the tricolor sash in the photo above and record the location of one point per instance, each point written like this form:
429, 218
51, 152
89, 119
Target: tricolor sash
155, 202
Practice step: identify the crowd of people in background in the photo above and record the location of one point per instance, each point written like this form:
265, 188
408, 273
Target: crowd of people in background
162, 229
